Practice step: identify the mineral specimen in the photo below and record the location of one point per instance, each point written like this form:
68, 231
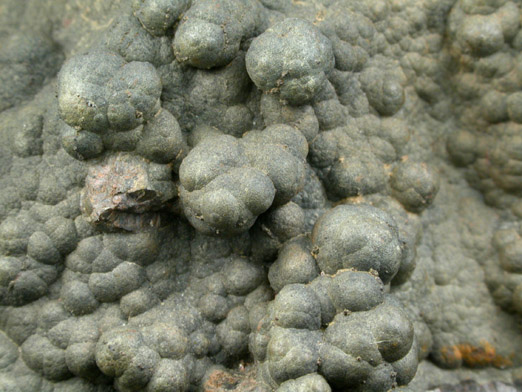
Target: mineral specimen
260, 195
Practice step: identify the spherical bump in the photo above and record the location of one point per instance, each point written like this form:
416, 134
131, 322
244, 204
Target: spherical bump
167, 340
355, 176
275, 227
60, 334
116, 349
356, 291
230, 203
360, 237
406, 367
227, 183
294, 264
415, 185
80, 360
384, 90
158, 16
27, 287
511, 256
162, 140
133, 95
237, 119
323, 149
286, 136
211, 31
128, 277
233, 333
320, 287
210, 158
77, 298
342, 370
285, 170
110, 286
86, 253
292, 353
330, 113
201, 44
81, 145
139, 371
482, 35
221, 210
291, 58
352, 333
14, 234
62, 233
170, 376
302, 118
199, 344
462, 147
213, 307
82, 95
41, 248
381, 379
242, 276
296, 306
309, 383
137, 302
141, 248
494, 107
41, 356
256, 191
514, 107
392, 329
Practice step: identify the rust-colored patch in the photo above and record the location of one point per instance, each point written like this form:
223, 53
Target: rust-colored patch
224, 381
451, 355
483, 355
125, 192
359, 199
319, 17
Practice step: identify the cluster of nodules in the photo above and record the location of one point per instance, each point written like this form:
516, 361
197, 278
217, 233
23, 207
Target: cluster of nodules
227, 182
171, 347
33, 254
39, 209
337, 325
506, 283
247, 125
109, 104
185, 82
355, 160
485, 41
131, 311
40, 223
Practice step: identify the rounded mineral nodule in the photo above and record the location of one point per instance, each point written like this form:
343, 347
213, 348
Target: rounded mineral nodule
361, 237
291, 58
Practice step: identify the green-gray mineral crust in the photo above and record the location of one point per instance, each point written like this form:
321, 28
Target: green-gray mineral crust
260, 195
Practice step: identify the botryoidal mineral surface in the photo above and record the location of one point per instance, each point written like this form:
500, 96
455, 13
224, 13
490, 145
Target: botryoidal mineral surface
260, 195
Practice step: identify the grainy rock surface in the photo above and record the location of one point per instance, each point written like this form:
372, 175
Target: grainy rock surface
260, 195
